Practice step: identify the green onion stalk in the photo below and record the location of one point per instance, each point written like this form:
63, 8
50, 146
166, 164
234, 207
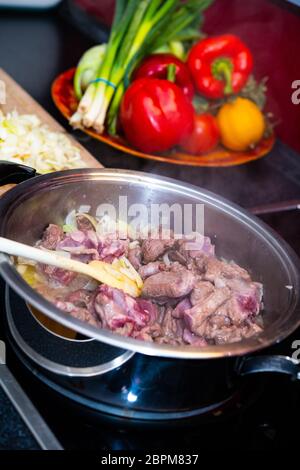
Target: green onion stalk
139, 27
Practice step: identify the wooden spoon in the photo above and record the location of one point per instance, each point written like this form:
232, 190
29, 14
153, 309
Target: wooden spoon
99, 270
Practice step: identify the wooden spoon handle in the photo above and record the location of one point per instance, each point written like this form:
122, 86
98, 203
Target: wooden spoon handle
42, 256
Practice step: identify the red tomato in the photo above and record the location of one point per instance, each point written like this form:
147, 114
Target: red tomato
155, 115
205, 136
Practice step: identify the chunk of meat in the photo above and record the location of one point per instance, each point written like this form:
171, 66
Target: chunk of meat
149, 309
247, 291
201, 291
244, 306
195, 247
181, 307
56, 276
82, 246
197, 265
233, 333
80, 298
152, 248
111, 248
169, 284
120, 312
84, 315
151, 268
135, 256
81, 314
172, 329
221, 318
196, 317
175, 255
193, 340
245, 300
149, 333
176, 268
228, 317
216, 271
86, 246
51, 237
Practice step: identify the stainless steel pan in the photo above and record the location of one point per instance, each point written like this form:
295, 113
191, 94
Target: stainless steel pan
27, 209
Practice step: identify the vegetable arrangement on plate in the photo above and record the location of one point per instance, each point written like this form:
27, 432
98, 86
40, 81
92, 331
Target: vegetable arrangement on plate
163, 85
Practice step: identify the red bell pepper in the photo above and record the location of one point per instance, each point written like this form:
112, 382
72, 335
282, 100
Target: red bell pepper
220, 65
156, 66
155, 115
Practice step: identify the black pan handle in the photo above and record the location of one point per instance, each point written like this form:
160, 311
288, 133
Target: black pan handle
14, 173
274, 364
275, 207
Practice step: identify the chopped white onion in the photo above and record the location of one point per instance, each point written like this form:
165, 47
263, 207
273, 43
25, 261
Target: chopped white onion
166, 259
24, 139
134, 244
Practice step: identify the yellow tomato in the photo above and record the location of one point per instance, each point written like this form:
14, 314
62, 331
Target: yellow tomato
241, 124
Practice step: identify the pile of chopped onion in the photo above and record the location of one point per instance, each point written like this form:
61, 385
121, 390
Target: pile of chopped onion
23, 139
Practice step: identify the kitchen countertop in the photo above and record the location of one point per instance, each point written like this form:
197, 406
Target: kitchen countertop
36, 47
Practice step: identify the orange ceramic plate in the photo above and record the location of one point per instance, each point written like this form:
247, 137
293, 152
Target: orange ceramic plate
64, 99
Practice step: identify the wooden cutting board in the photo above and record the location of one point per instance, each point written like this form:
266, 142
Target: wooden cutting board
17, 98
